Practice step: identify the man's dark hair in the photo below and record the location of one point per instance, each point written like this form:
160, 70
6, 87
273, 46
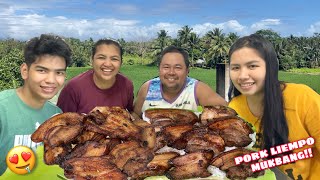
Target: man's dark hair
46, 44
174, 49
106, 42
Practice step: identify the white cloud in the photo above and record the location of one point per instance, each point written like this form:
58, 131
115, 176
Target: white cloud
23, 27
26, 26
229, 26
265, 24
314, 28
127, 8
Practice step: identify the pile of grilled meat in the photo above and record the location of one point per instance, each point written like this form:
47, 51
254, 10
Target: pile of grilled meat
108, 144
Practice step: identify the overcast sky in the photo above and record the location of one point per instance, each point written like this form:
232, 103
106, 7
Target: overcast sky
141, 20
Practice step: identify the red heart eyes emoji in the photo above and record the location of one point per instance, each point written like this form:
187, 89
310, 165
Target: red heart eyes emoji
26, 156
14, 159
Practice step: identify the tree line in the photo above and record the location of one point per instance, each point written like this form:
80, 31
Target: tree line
213, 47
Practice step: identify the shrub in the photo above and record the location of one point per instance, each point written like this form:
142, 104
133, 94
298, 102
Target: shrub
10, 70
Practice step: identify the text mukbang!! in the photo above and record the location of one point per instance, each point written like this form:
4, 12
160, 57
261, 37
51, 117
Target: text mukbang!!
277, 161
270, 163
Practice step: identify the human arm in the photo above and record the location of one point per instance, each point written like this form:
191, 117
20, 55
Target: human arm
207, 97
138, 103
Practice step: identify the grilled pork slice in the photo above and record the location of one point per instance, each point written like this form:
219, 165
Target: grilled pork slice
114, 126
242, 172
175, 132
55, 155
63, 119
148, 137
60, 135
190, 166
142, 168
89, 149
203, 139
160, 141
129, 150
88, 136
106, 111
212, 113
138, 163
161, 161
92, 168
234, 131
169, 116
225, 160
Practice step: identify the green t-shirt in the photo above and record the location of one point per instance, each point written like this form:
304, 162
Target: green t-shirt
18, 121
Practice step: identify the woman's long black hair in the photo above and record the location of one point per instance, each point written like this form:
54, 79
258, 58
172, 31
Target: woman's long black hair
273, 123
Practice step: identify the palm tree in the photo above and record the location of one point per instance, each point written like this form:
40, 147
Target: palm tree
184, 35
159, 44
194, 42
233, 37
218, 47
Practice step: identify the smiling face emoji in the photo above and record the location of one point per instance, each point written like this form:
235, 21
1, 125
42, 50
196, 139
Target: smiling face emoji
20, 160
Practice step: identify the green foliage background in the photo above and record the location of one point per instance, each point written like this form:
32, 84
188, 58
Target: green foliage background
295, 54
141, 73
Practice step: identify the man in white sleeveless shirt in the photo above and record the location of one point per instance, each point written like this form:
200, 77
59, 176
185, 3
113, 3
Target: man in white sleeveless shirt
173, 88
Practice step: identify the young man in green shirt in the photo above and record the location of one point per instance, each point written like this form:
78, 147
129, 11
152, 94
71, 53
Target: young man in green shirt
23, 109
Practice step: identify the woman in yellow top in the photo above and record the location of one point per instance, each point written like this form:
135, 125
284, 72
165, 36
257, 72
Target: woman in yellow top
280, 112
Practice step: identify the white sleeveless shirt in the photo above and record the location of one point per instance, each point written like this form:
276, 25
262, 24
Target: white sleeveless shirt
185, 100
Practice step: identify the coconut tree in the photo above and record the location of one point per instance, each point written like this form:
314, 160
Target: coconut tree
218, 47
162, 40
193, 44
184, 36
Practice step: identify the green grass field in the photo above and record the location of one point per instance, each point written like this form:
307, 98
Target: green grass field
140, 73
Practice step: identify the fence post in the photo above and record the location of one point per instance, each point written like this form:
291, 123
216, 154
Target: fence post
222, 80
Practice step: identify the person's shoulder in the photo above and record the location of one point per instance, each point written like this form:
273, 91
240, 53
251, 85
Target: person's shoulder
236, 101
124, 79
298, 93
145, 85
81, 77
191, 79
7, 94
52, 107
296, 89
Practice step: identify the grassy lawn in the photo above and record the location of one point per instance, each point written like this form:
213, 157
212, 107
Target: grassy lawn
139, 74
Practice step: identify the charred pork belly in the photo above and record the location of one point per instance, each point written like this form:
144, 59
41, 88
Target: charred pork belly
128, 150
60, 135
173, 135
115, 126
142, 168
116, 110
169, 116
203, 139
242, 172
92, 168
88, 136
160, 141
212, 113
190, 166
234, 131
55, 155
63, 119
225, 161
137, 164
161, 161
89, 149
